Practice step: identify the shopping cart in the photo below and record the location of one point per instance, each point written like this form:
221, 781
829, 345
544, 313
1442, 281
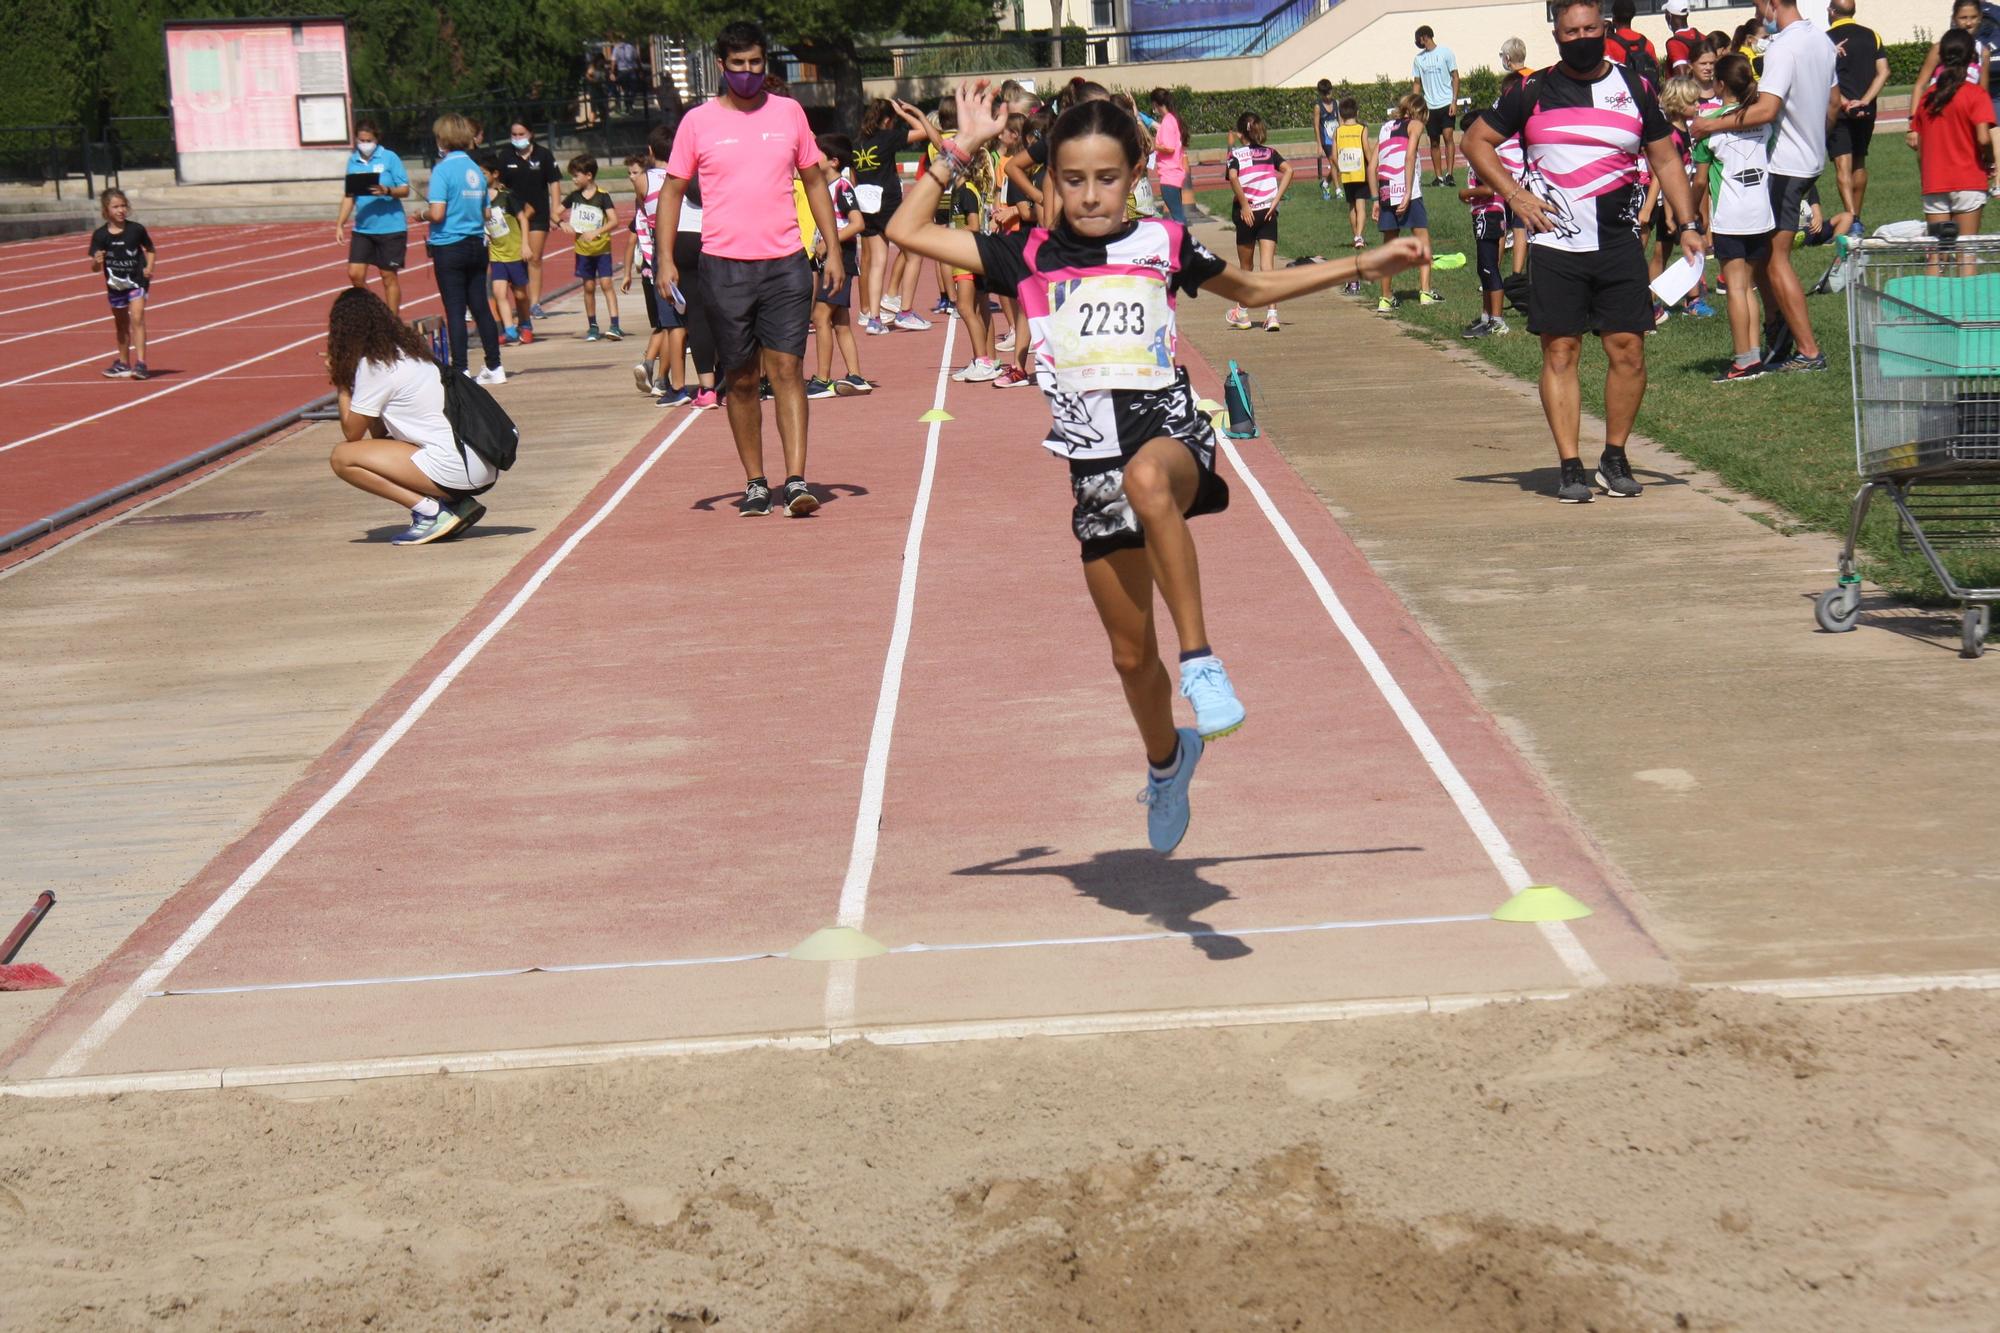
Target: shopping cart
1924, 321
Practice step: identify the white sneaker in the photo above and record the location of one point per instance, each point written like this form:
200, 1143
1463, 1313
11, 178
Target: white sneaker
497, 375
1005, 342
642, 377
891, 304
977, 371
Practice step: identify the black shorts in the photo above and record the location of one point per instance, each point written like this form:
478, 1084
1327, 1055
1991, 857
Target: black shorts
539, 220
1850, 137
842, 296
756, 303
652, 303
1787, 194
1662, 230
1264, 227
1753, 248
1356, 192
1439, 122
1595, 291
1102, 519
386, 250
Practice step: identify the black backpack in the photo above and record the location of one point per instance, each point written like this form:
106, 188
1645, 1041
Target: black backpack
478, 422
1639, 58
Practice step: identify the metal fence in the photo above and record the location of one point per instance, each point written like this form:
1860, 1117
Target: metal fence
43, 154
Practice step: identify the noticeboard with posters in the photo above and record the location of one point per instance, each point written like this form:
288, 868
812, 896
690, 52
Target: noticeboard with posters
259, 99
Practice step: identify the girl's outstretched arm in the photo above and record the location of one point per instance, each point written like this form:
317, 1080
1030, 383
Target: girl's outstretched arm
1268, 286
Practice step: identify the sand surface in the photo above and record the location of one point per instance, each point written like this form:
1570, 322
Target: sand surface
1638, 1159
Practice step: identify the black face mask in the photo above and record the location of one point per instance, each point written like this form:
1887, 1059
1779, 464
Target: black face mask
1583, 55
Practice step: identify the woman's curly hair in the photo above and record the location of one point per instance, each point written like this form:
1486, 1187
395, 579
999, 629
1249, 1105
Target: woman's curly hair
361, 328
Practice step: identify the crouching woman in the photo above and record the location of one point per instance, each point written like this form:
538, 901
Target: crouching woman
399, 444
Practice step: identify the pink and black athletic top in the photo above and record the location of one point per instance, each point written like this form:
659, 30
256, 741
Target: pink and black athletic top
1256, 166
1510, 158
1583, 140
1392, 156
1100, 318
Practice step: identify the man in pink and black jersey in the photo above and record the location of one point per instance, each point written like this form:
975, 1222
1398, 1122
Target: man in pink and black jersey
1584, 124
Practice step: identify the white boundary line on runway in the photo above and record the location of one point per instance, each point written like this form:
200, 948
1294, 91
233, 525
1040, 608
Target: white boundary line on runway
77, 246
1065, 1025
841, 976
177, 275
122, 1008
292, 271
1560, 937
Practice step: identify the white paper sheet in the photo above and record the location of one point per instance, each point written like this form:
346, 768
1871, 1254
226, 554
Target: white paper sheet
1677, 280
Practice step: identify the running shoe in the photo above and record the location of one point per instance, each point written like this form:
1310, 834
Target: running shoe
1325, 192
1796, 363
1239, 318
764, 391
852, 385
818, 388
1205, 684
1360, 241
1013, 377
943, 307
527, 334
1478, 328
1005, 342
492, 375
1614, 476
614, 334
1497, 326
511, 337
425, 528
1575, 487
469, 511
910, 322
118, 370
703, 401
1431, 298
799, 499
1700, 309
1386, 305
873, 327
1352, 288
1271, 324
892, 304
980, 370
1659, 314
591, 335
1737, 374
139, 371
535, 311
756, 500
675, 397
1166, 799
642, 376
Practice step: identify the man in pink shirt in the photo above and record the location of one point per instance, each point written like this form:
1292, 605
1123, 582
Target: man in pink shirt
746, 147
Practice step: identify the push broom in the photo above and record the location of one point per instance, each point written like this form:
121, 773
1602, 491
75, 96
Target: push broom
26, 976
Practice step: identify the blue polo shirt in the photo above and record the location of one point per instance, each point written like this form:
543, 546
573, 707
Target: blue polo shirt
379, 214
458, 184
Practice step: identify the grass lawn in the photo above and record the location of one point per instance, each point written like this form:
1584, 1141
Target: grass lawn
1787, 439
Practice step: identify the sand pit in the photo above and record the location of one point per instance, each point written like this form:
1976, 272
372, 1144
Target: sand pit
1637, 1159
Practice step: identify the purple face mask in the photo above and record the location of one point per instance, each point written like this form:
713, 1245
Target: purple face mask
745, 83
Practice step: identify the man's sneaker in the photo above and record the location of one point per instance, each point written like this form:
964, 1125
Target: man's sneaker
1386, 305
1478, 328
703, 401
1737, 374
1271, 324
1497, 326
591, 335
1205, 684
428, 527
468, 512
642, 376
118, 370
139, 371
852, 385
873, 327
756, 500
1005, 342
818, 388
675, 397
1166, 799
1700, 309
799, 499
1575, 487
911, 322
1614, 475
492, 375
1431, 298
614, 334
1796, 362
1013, 377
978, 371
536, 312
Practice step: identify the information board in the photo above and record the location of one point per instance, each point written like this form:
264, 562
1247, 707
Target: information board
259, 99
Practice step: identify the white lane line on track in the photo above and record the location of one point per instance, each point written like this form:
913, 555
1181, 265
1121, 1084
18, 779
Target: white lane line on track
202, 254
128, 1001
176, 277
840, 977
1470, 808
78, 249
970, 946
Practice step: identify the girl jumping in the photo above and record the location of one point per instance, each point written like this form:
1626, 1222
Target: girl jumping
1098, 295
123, 252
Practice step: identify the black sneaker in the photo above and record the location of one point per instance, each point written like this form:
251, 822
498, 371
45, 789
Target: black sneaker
1797, 361
1614, 474
756, 500
1575, 488
1737, 374
799, 499
764, 393
1478, 328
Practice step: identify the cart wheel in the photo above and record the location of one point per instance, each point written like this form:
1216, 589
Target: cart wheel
1838, 610
1972, 630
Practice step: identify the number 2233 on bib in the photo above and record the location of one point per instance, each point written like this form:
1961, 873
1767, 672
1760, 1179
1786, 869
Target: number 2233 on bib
1114, 331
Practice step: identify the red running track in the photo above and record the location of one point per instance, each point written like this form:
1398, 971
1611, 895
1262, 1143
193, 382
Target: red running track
234, 334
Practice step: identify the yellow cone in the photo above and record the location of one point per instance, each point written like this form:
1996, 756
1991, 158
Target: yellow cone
937, 414
836, 943
1541, 902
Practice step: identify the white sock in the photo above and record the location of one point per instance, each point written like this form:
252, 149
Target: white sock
426, 508
1164, 774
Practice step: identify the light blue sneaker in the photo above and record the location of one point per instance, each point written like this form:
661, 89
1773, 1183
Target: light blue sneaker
1205, 684
427, 528
1166, 801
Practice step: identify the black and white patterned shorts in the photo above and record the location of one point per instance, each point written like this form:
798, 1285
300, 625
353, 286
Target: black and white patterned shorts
1103, 520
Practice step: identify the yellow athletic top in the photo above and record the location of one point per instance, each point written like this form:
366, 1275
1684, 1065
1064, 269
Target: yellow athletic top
1350, 152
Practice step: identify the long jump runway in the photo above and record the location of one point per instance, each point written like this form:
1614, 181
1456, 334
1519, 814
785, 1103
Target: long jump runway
676, 742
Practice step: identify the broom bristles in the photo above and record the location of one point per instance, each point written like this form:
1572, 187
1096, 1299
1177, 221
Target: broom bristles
27, 976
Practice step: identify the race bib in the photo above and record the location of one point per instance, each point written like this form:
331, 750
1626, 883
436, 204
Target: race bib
1111, 332
586, 217
1349, 161
496, 223
869, 198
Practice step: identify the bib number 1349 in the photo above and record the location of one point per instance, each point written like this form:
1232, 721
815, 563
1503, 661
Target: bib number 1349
1098, 318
